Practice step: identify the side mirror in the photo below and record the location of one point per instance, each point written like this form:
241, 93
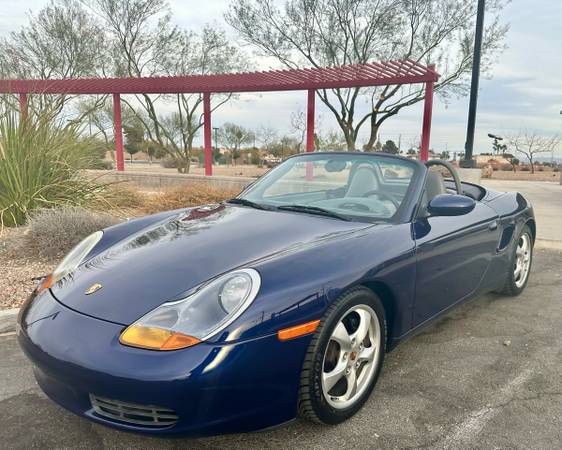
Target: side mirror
450, 205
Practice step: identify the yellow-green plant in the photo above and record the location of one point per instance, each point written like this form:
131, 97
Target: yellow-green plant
40, 165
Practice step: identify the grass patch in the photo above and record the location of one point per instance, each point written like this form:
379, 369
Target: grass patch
187, 195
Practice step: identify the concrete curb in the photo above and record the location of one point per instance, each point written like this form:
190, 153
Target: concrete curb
8, 320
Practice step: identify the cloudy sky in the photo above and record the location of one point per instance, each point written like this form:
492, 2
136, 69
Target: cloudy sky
525, 90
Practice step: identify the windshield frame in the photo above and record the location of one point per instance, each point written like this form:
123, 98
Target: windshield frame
407, 206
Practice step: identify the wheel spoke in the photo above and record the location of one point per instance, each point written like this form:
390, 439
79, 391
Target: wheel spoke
341, 336
331, 378
364, 326
351, 384
517, 270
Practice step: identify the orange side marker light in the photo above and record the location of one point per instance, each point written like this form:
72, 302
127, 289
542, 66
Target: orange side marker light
298, 330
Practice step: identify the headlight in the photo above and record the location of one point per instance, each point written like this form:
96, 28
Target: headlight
198, 317
72, 260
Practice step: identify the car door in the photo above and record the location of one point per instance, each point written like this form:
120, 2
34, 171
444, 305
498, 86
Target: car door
453, 254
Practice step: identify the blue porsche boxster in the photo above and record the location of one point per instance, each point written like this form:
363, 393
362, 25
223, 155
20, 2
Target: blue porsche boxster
281, 302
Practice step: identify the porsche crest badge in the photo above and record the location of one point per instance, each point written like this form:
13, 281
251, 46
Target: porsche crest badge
93, 288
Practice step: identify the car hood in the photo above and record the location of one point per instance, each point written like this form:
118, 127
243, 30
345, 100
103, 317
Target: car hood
166, 260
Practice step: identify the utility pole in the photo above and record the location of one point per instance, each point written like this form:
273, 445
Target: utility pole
468, 162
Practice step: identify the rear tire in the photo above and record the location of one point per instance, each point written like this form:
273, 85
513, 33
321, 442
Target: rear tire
344, 358
520, 263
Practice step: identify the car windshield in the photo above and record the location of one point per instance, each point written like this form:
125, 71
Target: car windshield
348, 186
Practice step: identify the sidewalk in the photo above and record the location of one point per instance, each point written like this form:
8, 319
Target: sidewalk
546, 198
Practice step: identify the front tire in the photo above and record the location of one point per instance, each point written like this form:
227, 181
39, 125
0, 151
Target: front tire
520, 264
344, 358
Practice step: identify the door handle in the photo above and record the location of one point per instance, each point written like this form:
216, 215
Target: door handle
493, 225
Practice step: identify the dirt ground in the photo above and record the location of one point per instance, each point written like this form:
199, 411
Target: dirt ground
255, 171
229, 171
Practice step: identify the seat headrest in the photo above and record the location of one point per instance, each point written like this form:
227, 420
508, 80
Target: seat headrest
434, 185
363, 181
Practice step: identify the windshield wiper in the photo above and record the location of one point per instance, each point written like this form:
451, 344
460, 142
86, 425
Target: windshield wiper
251, 204
314, 210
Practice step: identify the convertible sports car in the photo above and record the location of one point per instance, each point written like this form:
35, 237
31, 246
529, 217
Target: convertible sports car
280, 302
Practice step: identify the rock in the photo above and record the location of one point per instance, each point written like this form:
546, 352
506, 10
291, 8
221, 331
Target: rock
507, 343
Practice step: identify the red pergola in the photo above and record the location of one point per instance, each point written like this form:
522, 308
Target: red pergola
359, 75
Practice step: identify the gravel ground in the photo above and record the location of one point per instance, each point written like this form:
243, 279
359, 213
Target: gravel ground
17, 268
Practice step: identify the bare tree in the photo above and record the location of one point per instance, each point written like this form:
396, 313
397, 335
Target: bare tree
266, 135
336, 32
233, 136
531, 143
298, 125
145, 42
61, 41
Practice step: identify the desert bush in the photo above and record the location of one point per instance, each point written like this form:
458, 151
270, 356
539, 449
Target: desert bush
186, 195
53, 232
40, 165
525, 169
169, 162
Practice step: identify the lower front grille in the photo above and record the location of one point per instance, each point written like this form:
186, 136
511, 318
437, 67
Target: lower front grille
147, 415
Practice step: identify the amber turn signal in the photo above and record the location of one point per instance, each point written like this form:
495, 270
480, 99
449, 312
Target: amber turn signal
46, 283
297, 331
153, 338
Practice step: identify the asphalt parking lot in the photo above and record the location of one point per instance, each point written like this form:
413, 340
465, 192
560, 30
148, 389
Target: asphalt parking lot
487, 375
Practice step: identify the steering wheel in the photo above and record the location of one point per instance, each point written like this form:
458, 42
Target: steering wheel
382, 194
450, 168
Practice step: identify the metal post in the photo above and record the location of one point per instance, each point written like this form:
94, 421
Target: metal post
310, 120
118, 131
207, 133
23, 106
427, 112
310, 130
467, 161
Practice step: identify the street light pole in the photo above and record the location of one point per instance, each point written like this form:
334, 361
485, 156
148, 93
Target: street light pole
467, 161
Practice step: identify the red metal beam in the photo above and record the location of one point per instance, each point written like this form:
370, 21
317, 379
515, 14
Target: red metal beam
359, 75
119, 161
427, 112
207, 134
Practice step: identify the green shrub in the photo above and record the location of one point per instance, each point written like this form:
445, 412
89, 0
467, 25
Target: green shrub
53, 232
40, 165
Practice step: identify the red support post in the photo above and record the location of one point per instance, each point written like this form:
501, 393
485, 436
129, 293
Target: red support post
310, 130
427, 111
118, 131
310, 120
23, 106
207, 133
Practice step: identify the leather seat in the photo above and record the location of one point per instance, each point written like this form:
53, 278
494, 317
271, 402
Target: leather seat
363, 181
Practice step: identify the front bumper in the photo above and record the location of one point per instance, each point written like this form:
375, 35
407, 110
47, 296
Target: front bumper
213, 388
